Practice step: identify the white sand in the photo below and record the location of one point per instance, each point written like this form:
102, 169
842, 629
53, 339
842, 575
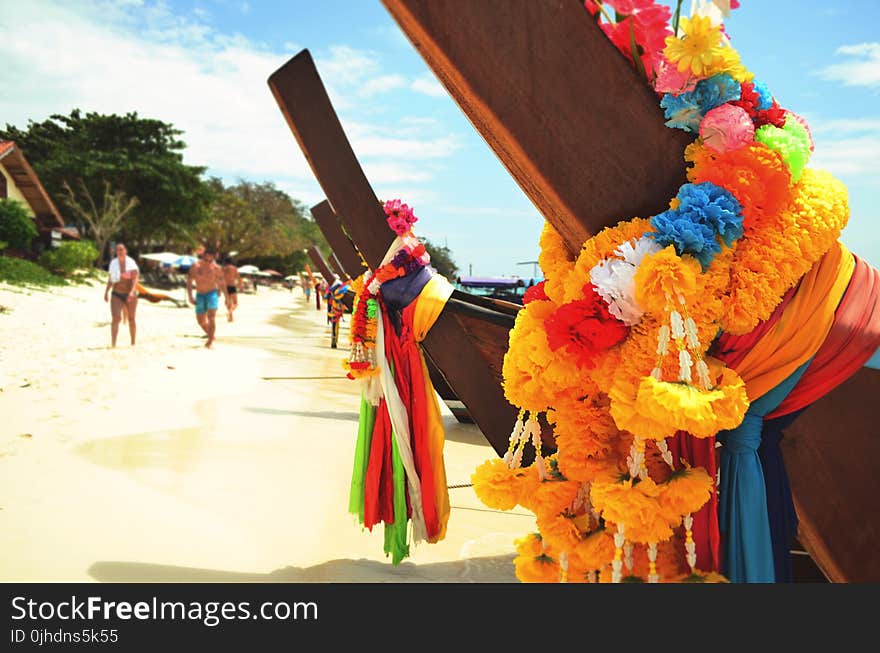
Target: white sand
170, 462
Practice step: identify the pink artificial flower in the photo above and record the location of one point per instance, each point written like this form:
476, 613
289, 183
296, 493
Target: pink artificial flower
671, 80
726, 128
400, 216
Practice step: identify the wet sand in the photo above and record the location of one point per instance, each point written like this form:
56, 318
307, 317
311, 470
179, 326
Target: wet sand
170, 462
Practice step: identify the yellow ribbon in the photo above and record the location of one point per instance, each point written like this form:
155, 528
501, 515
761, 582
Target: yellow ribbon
426, 310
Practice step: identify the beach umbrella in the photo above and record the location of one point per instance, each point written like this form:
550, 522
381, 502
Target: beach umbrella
165, 258
184, 261
273, 273
248, 269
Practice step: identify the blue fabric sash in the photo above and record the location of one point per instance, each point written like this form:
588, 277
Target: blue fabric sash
400, 292
746, 542
780, 505
874, 361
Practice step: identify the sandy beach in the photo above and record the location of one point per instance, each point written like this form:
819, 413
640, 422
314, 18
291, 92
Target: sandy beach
170, 462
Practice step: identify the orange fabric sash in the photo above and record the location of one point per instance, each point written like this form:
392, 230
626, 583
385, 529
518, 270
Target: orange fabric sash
802, 327
853, 338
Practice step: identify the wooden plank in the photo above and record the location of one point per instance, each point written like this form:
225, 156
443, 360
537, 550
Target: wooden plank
449, 347
337, 267
303, 101
320, 263
329, 224
563, 110
831, 453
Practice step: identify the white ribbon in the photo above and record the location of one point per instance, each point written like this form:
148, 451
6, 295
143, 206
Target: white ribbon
400, 428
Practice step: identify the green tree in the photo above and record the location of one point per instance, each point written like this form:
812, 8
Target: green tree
69, 257
140, 157
17, 227
259, 223
441, 260
104, 221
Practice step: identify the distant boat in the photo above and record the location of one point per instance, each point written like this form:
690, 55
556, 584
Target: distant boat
509, 289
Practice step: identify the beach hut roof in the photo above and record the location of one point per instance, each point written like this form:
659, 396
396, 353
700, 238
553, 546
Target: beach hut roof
28, 183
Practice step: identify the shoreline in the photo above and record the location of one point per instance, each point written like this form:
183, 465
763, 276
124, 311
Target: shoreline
170, 462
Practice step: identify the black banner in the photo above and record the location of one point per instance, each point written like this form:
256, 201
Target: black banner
131, 617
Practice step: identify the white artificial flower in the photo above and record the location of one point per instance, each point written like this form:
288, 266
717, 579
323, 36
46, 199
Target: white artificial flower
633, 251
615, 279
715, 10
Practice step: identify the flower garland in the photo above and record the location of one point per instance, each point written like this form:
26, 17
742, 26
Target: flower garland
612, 347
410, 255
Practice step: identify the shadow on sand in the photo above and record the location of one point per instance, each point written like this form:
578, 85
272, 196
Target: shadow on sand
493, 569
320, 414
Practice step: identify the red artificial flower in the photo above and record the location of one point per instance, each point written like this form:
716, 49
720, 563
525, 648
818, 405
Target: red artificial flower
749, 99
649, 24
584, 328
591, 6
535, 294
775, 115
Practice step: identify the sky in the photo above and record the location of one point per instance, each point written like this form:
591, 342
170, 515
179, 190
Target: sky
202, 65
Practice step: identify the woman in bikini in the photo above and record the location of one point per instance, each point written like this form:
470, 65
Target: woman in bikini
122, 285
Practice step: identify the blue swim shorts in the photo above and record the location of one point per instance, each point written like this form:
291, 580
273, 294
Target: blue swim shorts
207, 301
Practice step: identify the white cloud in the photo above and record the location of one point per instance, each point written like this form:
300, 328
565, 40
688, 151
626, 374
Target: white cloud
849, 157
861, 69
404, 148
115, 57
428, 85
848, 148
381, 84
846, 126
394, 173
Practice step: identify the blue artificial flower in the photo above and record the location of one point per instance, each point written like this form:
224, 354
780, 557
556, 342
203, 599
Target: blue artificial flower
766, 97
705, 213
682, 111
716, 90
686, 111
713, 206
688, 237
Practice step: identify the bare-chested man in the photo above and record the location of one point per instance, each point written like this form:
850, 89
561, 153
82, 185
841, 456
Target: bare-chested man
208, 279
122, 283
233, 286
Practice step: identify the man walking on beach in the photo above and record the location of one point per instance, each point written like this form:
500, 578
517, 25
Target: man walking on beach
233, 282
209, 282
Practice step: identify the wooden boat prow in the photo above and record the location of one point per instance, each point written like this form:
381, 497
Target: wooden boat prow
303, 100
583, 136
831, 452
